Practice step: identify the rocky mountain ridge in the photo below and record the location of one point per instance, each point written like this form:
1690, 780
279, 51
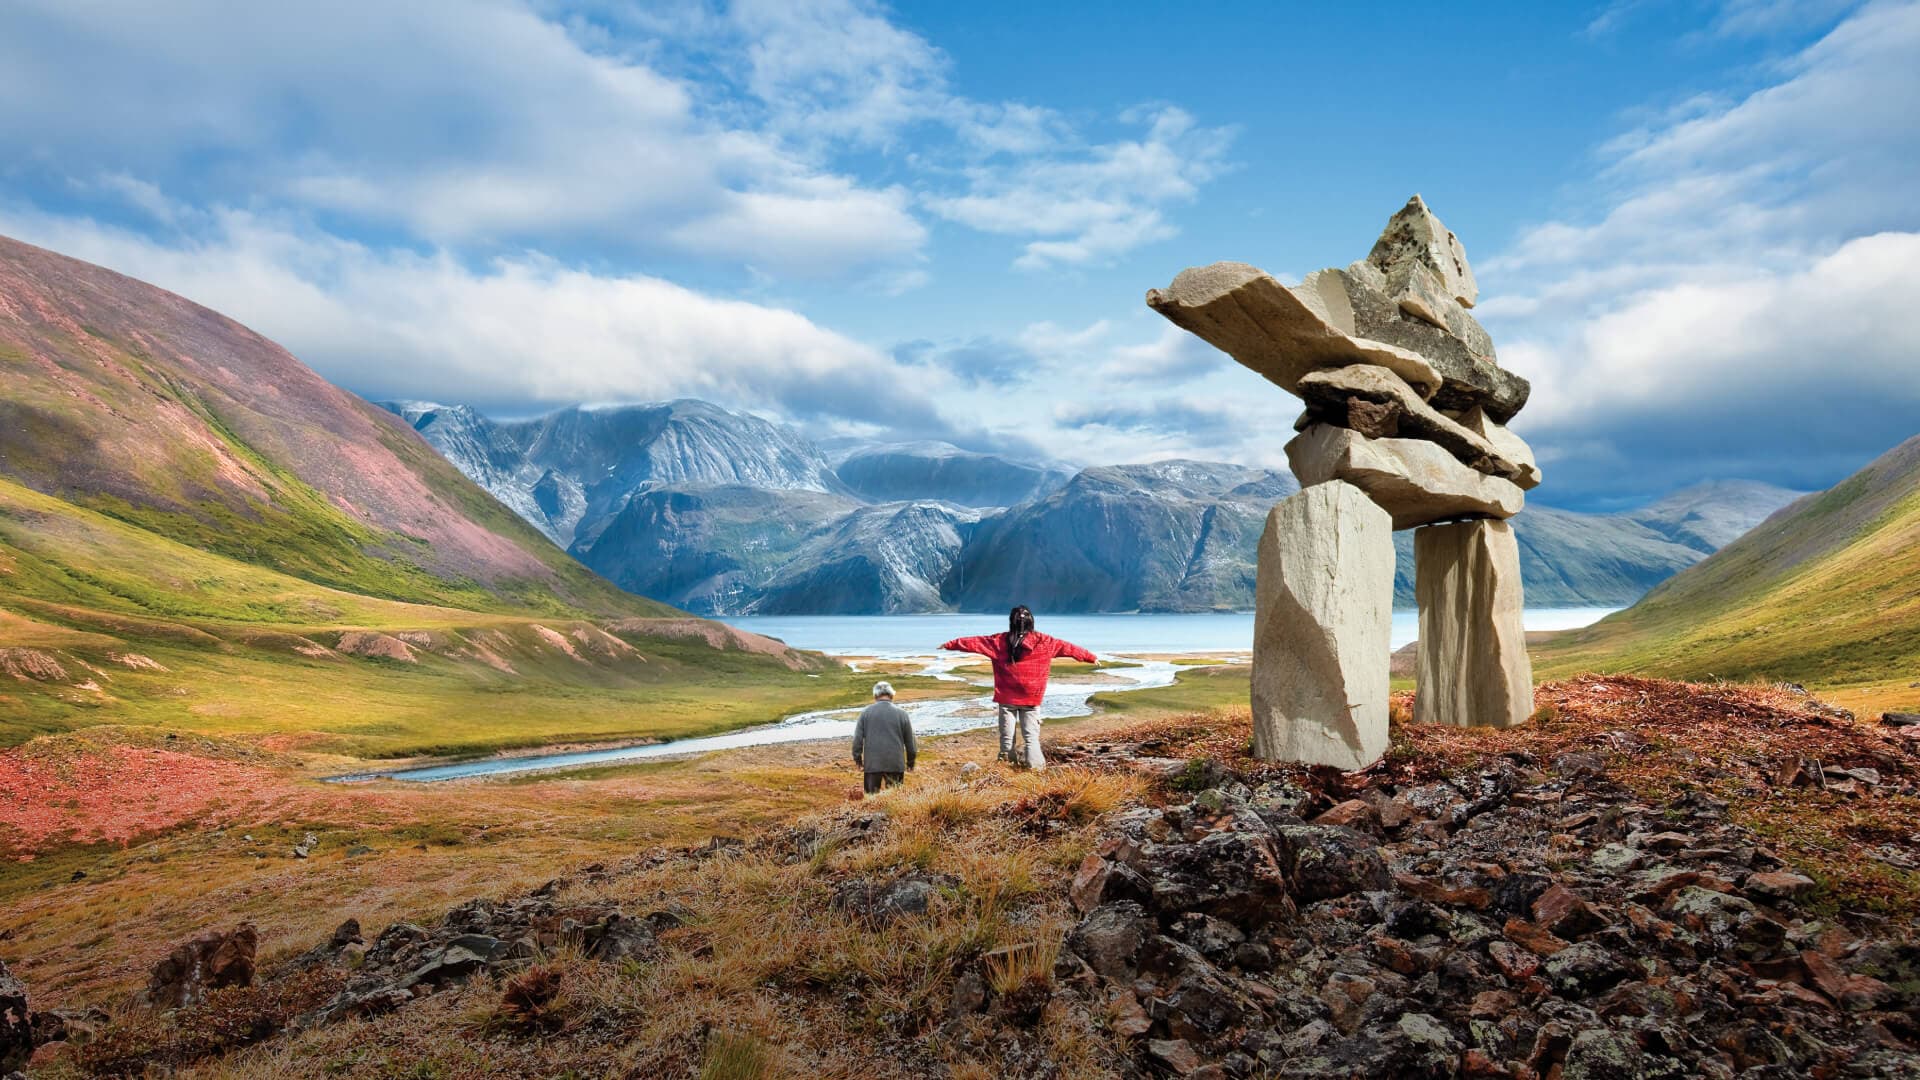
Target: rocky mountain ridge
727, 513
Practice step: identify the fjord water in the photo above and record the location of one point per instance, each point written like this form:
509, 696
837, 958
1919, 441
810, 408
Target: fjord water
1122, 635
919, 637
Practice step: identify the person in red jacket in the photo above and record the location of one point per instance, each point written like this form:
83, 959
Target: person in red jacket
1022, 658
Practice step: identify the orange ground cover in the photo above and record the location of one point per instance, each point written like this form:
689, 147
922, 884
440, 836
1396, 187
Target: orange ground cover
115, 794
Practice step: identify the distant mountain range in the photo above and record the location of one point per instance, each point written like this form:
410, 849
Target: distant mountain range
725, 513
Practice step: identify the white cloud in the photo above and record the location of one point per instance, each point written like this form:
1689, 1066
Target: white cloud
1737, 305
1093, 203
518, 331
462, 123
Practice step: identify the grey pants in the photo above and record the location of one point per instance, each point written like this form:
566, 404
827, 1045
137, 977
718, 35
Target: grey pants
879, 781
1025, 724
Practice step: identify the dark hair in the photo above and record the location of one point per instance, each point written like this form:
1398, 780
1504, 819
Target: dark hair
1019, 625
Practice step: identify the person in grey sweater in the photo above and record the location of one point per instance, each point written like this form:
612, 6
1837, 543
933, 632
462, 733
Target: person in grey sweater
883, 741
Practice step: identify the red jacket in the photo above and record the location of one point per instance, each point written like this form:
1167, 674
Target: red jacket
1023, 682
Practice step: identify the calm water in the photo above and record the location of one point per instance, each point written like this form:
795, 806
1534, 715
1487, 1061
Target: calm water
1125, 635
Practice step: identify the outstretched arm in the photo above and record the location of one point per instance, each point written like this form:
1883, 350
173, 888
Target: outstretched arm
1069, 649
981, 645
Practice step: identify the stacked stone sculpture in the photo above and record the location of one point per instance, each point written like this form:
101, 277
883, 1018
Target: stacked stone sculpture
1404, 428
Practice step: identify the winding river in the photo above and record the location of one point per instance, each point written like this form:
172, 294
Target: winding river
897, 638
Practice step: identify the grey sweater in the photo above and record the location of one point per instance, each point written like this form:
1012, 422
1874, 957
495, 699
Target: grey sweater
883, 739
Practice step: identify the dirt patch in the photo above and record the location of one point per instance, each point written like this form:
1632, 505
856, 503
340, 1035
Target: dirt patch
719, 636
376, 646
31, 665
557, 640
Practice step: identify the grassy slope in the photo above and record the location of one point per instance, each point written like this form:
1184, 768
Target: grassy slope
89, 588
1827, 592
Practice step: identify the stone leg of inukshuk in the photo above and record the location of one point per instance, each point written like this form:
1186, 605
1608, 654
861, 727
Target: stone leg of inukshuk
1473, 668
1323, 616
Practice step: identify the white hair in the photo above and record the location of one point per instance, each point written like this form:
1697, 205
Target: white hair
883, 689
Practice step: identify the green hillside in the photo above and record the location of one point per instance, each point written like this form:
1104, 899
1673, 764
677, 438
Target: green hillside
1826, 592
198, 534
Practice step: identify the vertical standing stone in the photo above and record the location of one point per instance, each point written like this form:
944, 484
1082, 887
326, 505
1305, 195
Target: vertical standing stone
1322, 626
1473, 668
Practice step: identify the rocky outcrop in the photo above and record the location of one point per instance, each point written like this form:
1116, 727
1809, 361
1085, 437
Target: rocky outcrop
16, 1022
211, 961
1405, 407
374, 645
1473, 666
1322, 622
1525, 919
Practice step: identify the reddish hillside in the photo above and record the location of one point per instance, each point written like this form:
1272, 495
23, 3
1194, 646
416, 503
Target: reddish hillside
130, 400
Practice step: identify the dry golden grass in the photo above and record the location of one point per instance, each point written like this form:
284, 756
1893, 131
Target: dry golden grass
766, 977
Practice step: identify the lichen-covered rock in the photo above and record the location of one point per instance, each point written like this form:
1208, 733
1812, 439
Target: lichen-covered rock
1325, 861
1414, 235
208, 962
1229, 873
1110, 937
16, 1023
1398, 310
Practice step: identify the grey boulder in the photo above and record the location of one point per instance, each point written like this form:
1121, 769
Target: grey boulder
1414, 480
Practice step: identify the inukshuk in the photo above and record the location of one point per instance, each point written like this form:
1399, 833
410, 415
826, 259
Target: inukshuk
1403, 429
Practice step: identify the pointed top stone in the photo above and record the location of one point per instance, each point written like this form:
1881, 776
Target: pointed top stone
1415, 237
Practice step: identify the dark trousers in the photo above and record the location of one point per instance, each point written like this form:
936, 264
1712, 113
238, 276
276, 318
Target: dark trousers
878, 780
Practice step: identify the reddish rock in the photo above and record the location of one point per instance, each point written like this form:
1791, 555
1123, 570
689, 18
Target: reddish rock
1854, 992
1396, 955
1563, 912
1477, 1063
1438, 892
1492, 1004
1659, 890
1129, 1018
1513, 962
1535, 939
1178, 1055
1353, 814
1089, 883
1780, 885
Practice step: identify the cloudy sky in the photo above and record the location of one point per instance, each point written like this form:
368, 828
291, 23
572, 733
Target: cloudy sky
1694, 223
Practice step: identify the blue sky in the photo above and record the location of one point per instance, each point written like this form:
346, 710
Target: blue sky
1693, 223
